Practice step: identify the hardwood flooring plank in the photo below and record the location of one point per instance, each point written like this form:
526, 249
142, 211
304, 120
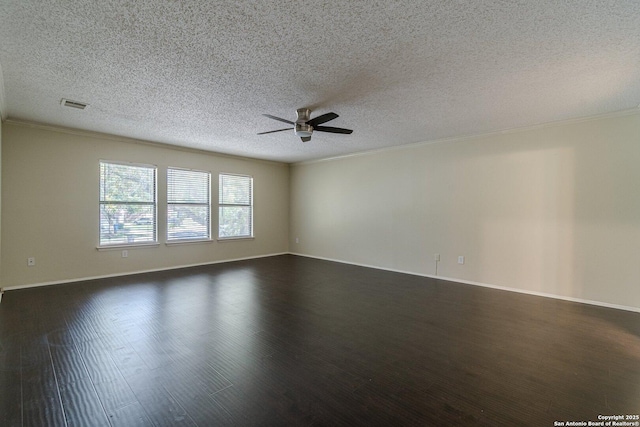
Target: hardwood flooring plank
152, 353
115, 394
191, 374
81, 330
41, 400
314, 391
132, 415
111, 340
60, 338
174, 346
10, 398
254, 408
128, 330
68, 364
127, 360
10, 381
82, 406
98, 362
195, 397
160, 406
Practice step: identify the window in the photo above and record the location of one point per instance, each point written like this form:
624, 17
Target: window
235, 216
188, 205
127, 204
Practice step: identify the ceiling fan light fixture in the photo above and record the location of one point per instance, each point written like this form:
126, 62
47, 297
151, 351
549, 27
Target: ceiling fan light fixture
303, 130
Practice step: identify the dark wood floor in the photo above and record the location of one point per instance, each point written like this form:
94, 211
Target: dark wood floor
295, 341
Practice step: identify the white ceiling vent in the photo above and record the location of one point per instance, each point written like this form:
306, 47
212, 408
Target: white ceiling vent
73, 104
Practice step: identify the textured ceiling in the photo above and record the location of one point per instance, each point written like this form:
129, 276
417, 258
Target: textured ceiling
200, 73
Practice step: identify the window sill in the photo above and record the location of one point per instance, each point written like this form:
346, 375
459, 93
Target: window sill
128, 246
188, 242
231, 239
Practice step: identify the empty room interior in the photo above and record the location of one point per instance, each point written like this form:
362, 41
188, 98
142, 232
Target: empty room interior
320, 213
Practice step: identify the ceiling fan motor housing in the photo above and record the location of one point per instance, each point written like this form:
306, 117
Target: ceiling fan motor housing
302, 129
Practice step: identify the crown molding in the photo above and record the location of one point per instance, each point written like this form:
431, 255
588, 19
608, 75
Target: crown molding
620, 113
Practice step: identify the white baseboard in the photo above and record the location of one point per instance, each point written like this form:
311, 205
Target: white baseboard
485, 285
450, 279
129, 273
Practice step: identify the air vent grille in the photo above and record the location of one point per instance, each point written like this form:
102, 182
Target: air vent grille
73, 104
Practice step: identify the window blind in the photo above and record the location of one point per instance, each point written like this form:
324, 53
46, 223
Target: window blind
127, 204
235, 216
188, 204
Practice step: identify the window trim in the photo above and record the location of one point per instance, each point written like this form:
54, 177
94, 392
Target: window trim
228, 238
153, 243
231, 239
170, 242
117, 246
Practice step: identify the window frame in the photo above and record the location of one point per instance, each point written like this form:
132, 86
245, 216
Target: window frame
250, 205
173, 241
154, 205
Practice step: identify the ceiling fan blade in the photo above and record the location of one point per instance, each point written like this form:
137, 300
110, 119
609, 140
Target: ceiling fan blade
332, 129
272, 131
322, 119
305, 138
279, 119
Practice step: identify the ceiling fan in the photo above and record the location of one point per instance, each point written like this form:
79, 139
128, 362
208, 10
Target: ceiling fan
304, 126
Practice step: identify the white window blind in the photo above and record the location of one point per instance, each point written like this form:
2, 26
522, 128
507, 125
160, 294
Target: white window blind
235, 216
188, 205
127, 204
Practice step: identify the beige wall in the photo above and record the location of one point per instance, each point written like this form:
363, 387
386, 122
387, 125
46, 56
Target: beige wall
553, 210
50, 206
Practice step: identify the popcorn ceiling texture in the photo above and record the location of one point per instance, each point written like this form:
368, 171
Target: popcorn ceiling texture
200, 73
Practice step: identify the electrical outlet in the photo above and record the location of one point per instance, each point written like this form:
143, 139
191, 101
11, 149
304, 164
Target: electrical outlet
460, 259
125, 254
297, 240
436, 257
31, 261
